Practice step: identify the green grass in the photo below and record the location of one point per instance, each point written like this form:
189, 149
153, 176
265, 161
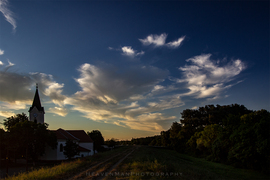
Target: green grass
65, 169
168, 164
49, 172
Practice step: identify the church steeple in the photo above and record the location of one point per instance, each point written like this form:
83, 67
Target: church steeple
36, 111
36, 102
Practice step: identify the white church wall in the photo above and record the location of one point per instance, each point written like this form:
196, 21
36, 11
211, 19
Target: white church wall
87, 146
60, 155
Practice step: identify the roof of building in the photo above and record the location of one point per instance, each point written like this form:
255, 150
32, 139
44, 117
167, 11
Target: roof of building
36, 102
82, 149
77, 135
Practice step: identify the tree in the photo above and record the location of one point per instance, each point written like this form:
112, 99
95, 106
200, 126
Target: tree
26, 137
13, 120
31, 136
165, 138
71, 149
98, 139
251, 141
111, 142
2, 143
174, 135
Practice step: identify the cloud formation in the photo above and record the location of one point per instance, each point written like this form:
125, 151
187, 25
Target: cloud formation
60, 111
9, 16
175, 44
136, 97
128, 51
159, 40
117, 97
207, 78
1, 52
6, 114
17, 89
156, 40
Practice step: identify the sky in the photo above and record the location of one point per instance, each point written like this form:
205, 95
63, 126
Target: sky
129, 68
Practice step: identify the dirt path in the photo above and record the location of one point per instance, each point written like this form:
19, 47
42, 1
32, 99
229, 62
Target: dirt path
101, 170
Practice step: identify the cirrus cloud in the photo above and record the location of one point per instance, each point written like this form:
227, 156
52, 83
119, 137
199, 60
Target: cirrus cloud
128, 51
9, 16
159, 40
207, 78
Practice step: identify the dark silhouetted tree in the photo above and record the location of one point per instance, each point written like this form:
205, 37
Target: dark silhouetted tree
71, 149
11, 121
98, 139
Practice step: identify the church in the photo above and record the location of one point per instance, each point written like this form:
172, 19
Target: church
36, 114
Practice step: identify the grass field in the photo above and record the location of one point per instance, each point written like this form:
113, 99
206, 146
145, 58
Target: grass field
65, 170
146, 163
153, 163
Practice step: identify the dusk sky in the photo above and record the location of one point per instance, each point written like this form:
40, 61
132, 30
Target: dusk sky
129, 68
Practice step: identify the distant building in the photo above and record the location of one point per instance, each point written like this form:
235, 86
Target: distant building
36, 114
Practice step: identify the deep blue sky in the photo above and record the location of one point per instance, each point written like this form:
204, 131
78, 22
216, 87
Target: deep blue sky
130, 68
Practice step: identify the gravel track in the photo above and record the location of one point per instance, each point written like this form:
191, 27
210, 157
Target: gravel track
101, 170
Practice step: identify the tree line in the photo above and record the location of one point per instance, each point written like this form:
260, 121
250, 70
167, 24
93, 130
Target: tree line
229, 134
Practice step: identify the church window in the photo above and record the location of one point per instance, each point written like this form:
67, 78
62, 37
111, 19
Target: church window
61, 147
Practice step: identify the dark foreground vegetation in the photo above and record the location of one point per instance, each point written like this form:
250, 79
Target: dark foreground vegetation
229, 134
143, 163
163, 163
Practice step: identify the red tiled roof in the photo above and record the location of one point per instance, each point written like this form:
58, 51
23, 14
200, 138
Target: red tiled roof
82, 149
80, 134
77, 135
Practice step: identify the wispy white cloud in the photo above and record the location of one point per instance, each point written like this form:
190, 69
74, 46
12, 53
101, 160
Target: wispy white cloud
59, 111
175, 44
156, 40
50, 87
207, 78
9, 16
10, 64
159, 40
6, 113
128, 51
1, 52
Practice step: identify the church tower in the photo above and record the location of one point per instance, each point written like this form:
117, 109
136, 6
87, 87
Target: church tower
36, 112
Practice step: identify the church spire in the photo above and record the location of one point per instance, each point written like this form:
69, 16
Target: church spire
36, 101
36, 112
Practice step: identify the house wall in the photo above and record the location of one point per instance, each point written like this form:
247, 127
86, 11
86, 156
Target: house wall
89, 146
55, 154
60, 155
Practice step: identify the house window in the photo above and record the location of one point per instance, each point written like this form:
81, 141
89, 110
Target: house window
61, 147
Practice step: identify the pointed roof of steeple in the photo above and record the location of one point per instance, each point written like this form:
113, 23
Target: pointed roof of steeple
36, 101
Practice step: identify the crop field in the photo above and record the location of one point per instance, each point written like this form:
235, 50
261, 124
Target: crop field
141, 162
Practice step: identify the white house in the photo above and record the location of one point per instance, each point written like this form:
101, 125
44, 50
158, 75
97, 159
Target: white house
36, 114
